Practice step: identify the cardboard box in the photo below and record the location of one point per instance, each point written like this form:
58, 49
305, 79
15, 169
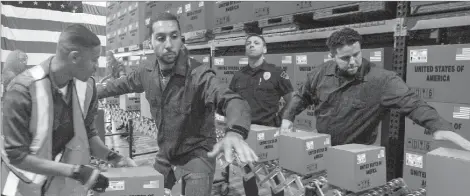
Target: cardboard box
111, 39
145, 106
204, 59
304, 64
414, 170
137, 28
123, 37
440, 73
198, 17
448, 172
356, 167
430, 7
130, 102
418, 139
303, 152
306, 120
228, 13
122, 14
353, 8
142, 180
225, 67
112, 6
264, 141
381, 57
272, 9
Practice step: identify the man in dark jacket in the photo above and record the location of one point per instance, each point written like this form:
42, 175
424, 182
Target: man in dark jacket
351, 94
184, 97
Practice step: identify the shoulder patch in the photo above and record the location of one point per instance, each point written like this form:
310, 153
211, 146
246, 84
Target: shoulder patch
285, 75
37, 72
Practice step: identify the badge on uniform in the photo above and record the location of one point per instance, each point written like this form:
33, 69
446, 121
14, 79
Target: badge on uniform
284, 75
267, 75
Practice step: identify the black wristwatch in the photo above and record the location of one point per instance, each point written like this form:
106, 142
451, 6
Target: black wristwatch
76, 172
238, 129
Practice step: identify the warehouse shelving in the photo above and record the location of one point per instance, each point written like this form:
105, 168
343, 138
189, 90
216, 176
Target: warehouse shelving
406, 22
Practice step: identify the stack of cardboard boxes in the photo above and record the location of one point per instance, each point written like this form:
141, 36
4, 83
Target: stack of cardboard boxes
126, 24
439, 75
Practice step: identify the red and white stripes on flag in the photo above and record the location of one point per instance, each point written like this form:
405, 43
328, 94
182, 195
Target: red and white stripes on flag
34, 26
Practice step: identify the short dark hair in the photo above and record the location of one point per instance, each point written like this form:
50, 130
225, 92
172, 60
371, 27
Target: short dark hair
161, 17
256, 35
77, 37
340, 38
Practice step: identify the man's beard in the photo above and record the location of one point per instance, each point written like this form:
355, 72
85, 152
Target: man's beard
168, 58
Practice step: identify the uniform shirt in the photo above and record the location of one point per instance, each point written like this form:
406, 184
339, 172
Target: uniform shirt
350, 111
17, 113
184, 111
262, 87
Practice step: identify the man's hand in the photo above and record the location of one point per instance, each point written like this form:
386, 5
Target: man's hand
453, 137
235, 141
118, 160
287, 126
90, 177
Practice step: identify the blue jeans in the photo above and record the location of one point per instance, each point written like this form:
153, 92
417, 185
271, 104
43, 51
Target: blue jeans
197, 175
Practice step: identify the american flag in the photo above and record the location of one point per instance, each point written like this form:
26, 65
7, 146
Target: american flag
34, 26
461, 112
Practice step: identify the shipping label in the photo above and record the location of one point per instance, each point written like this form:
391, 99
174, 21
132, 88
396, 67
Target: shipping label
414, 160
419, 56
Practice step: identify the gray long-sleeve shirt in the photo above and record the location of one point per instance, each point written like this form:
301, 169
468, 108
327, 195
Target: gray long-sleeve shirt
351, 110
184, 109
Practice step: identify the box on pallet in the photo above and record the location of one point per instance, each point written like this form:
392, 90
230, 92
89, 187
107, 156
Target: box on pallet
414, 169
433, 7
142, 180
264, 141
112, 6
198, 17
306, 148
112, 39
227, 13
419, 139
123, 37
354, 8
122, 14
136, 25
448, 172
130, 102
225, 67
272, 9
440, 73
356, 167
145, 106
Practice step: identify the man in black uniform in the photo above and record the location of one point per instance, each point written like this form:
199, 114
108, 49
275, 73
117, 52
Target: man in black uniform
262, 84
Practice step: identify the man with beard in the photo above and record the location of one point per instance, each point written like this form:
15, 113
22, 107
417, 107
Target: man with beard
49, 123
262, 84
184, 96
351, 94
